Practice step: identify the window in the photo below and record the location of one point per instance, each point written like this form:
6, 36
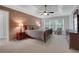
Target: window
54, 24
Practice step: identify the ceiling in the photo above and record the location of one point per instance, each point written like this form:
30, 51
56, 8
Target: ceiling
59, 10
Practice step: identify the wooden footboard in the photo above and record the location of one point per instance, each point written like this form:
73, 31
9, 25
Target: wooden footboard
47, 34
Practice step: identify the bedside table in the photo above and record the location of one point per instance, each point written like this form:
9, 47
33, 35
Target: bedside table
20, 35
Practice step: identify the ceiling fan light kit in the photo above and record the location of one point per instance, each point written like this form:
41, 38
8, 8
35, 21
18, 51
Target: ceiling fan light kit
46, 14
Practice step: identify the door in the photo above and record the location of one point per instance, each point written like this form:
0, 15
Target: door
4, 25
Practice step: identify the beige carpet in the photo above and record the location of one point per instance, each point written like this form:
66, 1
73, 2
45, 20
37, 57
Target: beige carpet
56, 44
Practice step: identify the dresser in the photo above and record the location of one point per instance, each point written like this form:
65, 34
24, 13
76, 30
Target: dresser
74, 41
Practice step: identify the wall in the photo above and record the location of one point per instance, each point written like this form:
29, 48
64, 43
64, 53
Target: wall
17, 17
71, 22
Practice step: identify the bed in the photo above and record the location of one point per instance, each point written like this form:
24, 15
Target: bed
43, 35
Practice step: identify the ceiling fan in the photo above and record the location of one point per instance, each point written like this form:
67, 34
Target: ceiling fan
45, 12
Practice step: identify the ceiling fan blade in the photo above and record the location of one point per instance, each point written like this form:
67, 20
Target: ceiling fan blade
50, 12
40, 12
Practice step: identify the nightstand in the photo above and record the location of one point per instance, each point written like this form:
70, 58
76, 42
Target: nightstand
20, 36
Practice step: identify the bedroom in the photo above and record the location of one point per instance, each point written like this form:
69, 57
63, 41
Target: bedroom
20, 20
